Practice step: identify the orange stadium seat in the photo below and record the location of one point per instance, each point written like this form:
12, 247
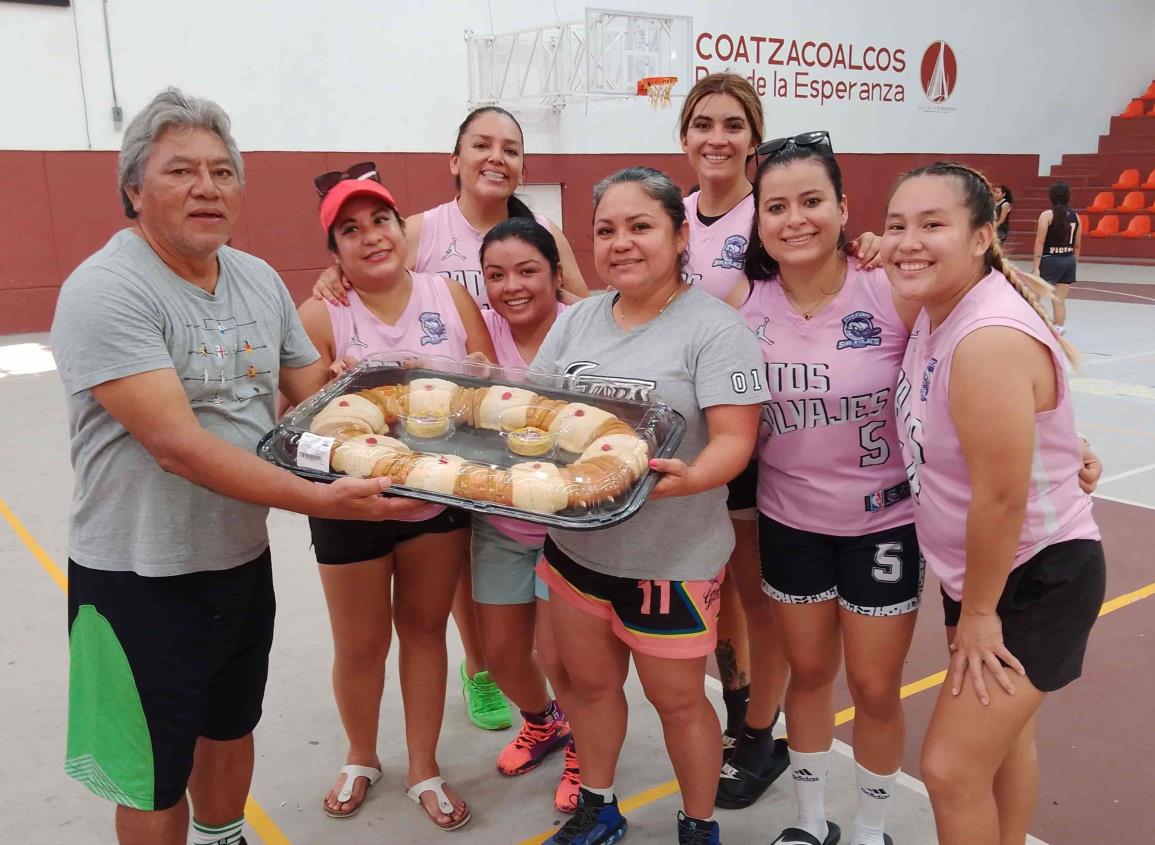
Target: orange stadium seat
1134, 109
1104, 201
1152, 112
1128, 180
1134, 201
1151, 208
1084, 222
1108, 226
1150, 183
1149, 94
1139, 227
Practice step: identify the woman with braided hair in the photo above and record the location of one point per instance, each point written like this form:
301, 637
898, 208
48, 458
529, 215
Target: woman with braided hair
988, 429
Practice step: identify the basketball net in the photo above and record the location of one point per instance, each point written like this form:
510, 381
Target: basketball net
658, 89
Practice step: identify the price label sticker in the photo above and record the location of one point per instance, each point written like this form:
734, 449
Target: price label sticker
313, 451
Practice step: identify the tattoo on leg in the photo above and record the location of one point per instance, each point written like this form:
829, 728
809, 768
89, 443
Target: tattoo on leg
730, 675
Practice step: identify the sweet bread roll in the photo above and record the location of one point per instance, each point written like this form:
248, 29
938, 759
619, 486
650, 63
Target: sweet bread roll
529, 441
484, 484
539, 487
348, 415
627, 448
577, 425
429, 396
396, 466
435, 473
462, 405
503, 407
390, 398
596, 480
542, 412
356, 456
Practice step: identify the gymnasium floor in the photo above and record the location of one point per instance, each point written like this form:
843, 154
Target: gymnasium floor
1095, 737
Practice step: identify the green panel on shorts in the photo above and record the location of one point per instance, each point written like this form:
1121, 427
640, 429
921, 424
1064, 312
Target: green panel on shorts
109, 746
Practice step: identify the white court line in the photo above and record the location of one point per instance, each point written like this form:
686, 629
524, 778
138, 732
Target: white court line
1111, 359
1130, 502
1121, 475
909, 781
1118, 293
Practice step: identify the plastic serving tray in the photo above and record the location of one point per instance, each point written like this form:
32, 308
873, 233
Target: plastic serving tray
654, 422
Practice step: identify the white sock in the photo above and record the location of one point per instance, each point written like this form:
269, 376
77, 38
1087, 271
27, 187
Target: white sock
874, 792
809, 774
606, 794
226, 834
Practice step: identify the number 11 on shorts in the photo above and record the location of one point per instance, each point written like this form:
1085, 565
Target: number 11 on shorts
647, 588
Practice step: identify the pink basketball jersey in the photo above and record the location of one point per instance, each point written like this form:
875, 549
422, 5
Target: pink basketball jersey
508, 355
451, 246
1057, 510
717, 251
429, 325
828, 450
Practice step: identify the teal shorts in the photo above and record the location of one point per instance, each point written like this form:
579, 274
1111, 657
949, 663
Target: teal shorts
503, 569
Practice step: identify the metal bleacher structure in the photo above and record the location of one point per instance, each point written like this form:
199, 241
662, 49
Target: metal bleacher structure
1113, 189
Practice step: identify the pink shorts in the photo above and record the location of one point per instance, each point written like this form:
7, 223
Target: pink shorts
670, 619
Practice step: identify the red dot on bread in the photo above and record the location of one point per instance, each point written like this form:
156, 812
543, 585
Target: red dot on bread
372, 441
428, 386
442, 461
507, 396
342, 404
606, 447
579, 413
537, 466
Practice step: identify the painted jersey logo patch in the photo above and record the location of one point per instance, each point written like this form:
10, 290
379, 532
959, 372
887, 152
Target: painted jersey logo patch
926, 374
733, 253
433, 329
860, 331
760, 332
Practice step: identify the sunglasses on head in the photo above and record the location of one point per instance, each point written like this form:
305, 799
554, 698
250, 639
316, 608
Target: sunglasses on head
819, 138
328, 181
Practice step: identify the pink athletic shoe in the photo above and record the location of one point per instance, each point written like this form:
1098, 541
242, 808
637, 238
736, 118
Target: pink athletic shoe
533, 743
566, 797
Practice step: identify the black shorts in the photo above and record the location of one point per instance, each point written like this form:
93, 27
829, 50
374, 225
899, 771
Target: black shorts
341, 541
1058, 269
671, 619
1047, 610
157, 663
743, 490
878, 574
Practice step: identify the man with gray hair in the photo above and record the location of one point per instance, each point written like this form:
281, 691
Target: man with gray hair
172, 348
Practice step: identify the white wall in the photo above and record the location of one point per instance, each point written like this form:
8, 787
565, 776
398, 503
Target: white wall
1035, 76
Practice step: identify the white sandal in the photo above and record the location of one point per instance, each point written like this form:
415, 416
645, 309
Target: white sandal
436, 785
351, 773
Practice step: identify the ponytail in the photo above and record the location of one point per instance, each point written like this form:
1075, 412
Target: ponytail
516, 207
1060, 195
1034, 290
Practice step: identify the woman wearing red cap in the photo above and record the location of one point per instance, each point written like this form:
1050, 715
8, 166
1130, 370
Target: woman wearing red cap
488, 165
361, 564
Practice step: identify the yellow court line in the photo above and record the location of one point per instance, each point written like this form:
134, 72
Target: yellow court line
664, 790
255, 815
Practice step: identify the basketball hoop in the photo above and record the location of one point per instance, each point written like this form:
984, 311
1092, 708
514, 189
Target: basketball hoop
658, 89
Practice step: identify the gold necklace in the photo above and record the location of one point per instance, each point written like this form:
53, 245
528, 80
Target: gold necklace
678, 288
807, 313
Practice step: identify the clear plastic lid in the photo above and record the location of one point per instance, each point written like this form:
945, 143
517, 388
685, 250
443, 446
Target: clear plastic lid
549, 449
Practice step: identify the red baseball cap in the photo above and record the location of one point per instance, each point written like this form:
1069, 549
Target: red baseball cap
345, 190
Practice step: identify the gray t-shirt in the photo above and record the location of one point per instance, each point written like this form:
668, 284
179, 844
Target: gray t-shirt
124, 312
696, 354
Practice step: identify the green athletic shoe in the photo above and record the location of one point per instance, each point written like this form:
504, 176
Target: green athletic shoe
486, 706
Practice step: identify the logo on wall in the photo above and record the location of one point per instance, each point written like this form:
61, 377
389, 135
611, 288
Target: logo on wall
939, 72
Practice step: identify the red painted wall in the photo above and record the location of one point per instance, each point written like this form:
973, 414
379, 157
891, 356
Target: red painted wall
59, 207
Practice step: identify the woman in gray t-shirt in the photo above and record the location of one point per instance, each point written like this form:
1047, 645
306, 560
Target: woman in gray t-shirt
649, 587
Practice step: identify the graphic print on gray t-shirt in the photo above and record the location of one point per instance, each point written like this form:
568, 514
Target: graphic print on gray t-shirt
124, 312
696, 354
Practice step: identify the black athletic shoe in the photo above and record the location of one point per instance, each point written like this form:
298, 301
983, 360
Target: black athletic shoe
697, 832
739, 787
594, 823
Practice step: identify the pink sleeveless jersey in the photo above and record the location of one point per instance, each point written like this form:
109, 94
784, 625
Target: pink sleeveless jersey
828, 448
429, 325
1057, 510
718, 250
451, 246
508, 355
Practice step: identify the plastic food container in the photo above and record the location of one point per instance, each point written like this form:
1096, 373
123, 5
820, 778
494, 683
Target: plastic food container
549, 449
